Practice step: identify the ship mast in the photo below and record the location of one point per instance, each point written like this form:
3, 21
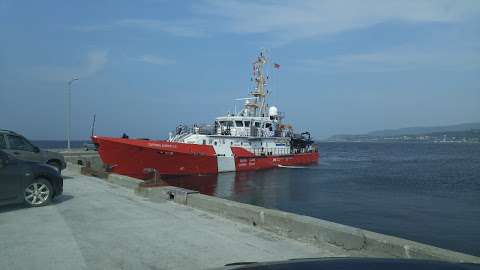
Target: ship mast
260, 92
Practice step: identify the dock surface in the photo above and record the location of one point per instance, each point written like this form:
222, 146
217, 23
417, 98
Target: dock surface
98, 225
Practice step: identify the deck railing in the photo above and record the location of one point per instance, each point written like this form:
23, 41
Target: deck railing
281, 151
270, 151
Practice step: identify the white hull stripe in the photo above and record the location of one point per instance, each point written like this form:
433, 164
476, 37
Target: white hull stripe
225, 158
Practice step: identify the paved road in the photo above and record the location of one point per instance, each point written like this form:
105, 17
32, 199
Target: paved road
97, 225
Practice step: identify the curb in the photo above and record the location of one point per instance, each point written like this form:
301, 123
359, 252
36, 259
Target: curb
306, 229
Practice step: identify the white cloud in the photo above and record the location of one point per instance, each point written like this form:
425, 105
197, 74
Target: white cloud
289, 20
397, 59
185, 28
286, 21
181, 28
292, 20
94, 62
155, 60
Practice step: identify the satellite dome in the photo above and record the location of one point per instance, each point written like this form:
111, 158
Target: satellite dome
273, 111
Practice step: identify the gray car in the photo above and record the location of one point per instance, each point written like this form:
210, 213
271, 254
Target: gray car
19, 147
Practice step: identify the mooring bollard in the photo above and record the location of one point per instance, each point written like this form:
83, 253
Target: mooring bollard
150, 171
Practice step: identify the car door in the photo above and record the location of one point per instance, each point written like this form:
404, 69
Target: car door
3, 142
11, 178
21, 148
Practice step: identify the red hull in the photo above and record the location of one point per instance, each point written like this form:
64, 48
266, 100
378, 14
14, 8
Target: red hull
130, 157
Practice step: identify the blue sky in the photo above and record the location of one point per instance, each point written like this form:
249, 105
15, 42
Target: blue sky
145, 66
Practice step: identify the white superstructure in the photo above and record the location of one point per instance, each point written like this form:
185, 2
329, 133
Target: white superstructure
257, 128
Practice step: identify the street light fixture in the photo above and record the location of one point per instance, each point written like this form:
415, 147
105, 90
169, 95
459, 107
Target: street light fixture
69, 109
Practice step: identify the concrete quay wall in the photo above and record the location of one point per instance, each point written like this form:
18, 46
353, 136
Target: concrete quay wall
82, 158
307, 229
301, 228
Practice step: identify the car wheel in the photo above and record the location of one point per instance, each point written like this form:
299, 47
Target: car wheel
56, 165
38, 193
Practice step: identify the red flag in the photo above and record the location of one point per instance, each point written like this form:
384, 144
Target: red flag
275, 65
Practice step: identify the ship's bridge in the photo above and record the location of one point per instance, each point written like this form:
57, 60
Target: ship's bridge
244, 126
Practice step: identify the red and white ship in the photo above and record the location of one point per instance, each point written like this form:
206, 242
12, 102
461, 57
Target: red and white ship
253, 139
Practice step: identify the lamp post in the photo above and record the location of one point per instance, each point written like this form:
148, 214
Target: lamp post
69, 109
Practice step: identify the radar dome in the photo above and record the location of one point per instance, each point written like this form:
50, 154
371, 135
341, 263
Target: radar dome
273, 111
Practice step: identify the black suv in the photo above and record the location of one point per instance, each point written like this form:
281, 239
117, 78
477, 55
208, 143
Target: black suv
19, 147
31, 182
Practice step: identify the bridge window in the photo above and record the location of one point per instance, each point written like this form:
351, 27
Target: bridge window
247, 123
257, 124
226, 123
239, 123
269, 126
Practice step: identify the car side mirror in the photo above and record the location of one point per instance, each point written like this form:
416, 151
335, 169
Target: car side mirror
36, 149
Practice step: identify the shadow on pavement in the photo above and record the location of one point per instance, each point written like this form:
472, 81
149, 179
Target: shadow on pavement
20, 206
62, 198
12, 207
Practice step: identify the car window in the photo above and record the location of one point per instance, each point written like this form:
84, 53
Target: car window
19, 143
3, 143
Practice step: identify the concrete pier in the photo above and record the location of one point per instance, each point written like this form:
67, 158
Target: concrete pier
309, 230
97, 224
116, 222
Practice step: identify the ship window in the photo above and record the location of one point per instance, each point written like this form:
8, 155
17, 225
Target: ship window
226, 123
267, 125
247, 123
204, 141
239, 123
215, 143
257, 124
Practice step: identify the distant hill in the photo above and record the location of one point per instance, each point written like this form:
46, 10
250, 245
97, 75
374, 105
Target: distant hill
424, 130
467, 132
